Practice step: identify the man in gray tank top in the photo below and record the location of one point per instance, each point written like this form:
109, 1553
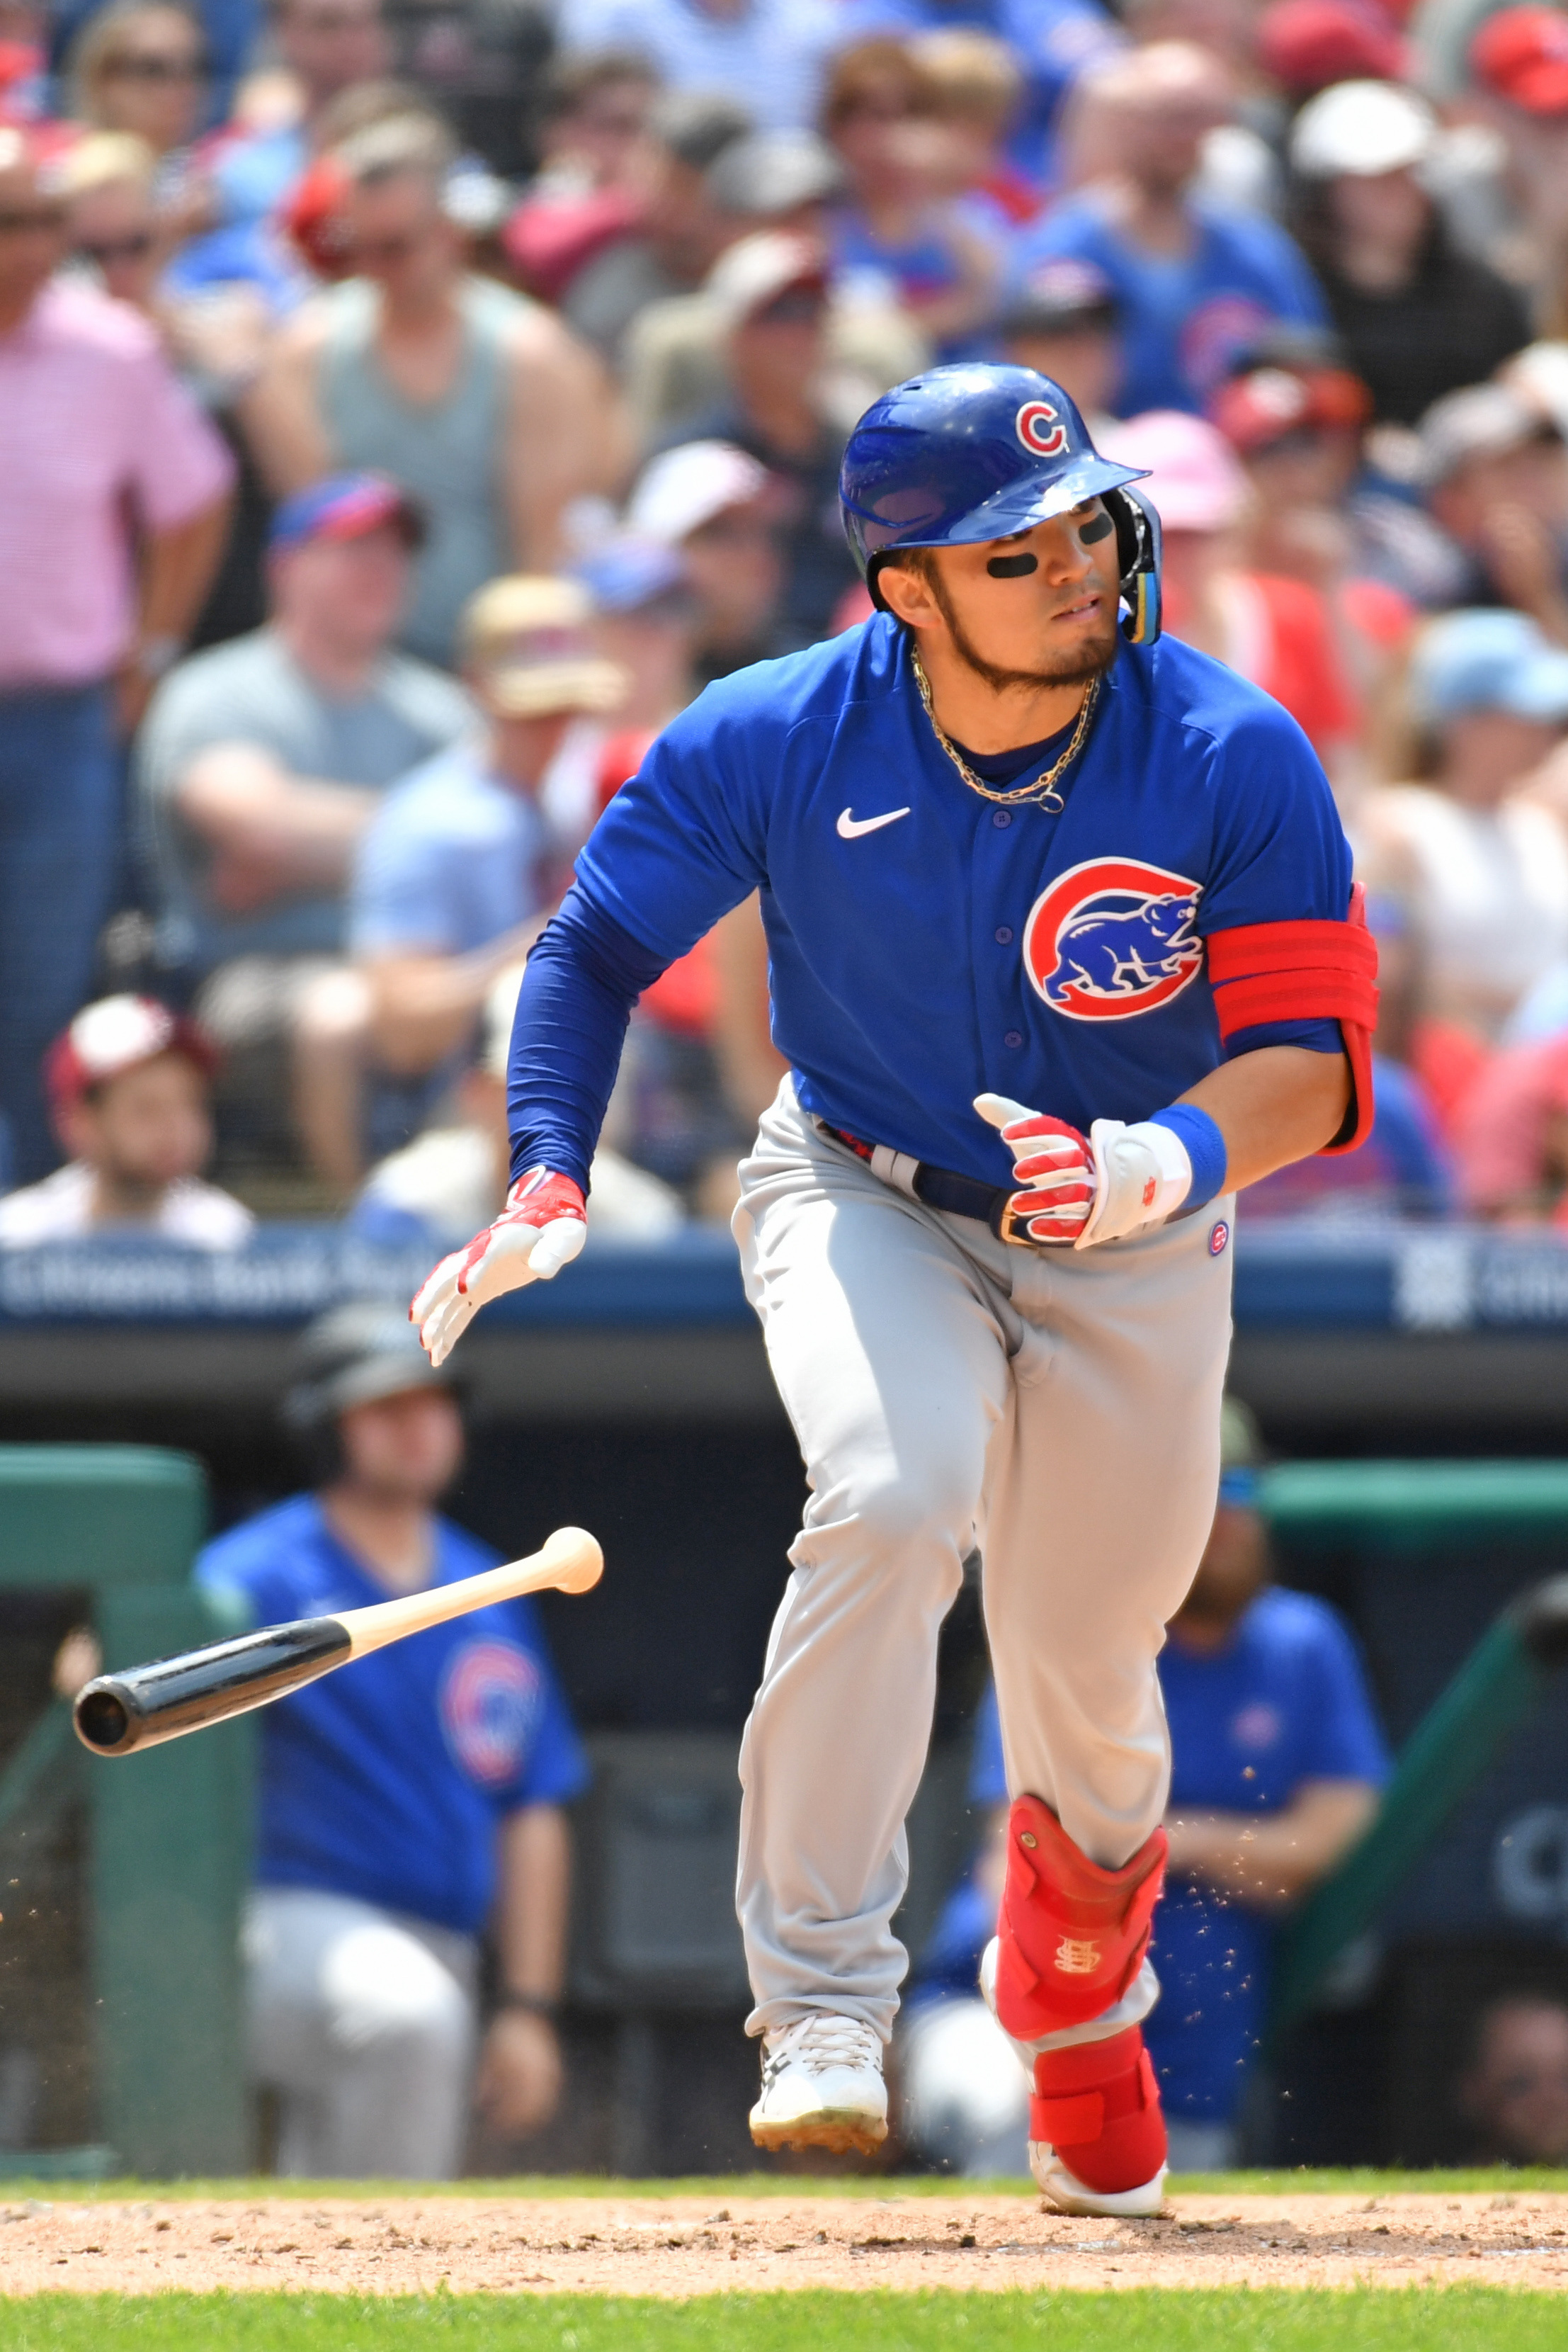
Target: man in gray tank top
480, 404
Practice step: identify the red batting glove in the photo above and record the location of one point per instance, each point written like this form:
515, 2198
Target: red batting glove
1053, 1163
542, 1227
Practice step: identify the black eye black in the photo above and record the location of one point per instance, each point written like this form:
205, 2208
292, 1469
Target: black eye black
1094, 528
1012, 567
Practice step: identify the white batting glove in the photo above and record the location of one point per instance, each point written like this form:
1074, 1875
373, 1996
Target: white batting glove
1141, 1175
542, 1227
1101, 1187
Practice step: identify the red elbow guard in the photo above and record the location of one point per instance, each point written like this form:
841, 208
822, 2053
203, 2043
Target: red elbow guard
1305, 972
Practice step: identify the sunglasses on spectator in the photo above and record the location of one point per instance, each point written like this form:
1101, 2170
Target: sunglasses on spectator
381, 252
136, 246
800, 307
148, 65
869, 108
41, 220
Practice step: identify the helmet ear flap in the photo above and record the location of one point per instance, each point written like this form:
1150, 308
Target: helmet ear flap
1138, 558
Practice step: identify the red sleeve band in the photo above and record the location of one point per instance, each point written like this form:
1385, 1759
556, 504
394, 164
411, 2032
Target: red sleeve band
1305, 972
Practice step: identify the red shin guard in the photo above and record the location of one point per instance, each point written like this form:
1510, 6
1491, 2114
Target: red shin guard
1098, 2105
1072, 1936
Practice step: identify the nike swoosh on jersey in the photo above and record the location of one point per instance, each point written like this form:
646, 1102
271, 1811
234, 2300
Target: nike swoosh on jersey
851, 827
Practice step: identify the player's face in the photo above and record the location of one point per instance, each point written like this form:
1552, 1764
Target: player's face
148, 1128
408, 1448
1037, 609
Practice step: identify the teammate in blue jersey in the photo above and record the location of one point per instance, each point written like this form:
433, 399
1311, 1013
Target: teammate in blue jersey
1058, 919
403, 1806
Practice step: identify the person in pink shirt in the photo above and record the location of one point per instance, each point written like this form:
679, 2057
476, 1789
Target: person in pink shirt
114, 495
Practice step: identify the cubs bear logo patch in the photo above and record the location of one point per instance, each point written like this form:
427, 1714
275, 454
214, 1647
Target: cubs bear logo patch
1112, 938
491, 1694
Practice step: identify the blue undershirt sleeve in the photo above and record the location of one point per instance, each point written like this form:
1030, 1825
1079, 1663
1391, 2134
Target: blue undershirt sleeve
582, 979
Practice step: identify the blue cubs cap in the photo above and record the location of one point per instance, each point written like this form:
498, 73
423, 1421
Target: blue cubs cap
345, 506
968, 453
1483, 660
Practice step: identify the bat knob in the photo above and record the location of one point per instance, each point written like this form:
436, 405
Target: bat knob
576, 1557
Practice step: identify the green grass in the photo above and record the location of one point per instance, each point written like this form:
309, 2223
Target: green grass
1357, 2181
1462, 2319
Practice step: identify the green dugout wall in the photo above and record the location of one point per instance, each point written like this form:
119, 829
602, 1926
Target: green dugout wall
168, 1831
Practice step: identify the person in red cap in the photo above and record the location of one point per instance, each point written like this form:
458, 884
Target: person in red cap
127, 1087
1308, 45
1298, 431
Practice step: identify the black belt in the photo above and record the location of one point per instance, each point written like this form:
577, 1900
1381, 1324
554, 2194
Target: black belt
940, 1188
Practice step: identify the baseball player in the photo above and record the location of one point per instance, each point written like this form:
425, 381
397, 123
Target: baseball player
1062, 952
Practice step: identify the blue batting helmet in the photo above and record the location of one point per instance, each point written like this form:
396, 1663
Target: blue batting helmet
975, 452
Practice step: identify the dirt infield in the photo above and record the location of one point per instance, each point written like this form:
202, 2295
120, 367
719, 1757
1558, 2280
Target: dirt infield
679, 2246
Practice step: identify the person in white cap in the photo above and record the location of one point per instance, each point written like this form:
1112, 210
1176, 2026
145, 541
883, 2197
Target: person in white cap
1417, 317
126, 1088
709, 501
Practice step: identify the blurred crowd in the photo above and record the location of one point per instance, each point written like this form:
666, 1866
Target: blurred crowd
408, 405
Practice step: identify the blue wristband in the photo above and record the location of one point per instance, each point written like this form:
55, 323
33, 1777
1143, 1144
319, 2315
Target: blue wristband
1205, 1148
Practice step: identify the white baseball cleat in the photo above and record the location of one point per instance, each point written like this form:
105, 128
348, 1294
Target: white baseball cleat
822, 2086
1063, 2194
1061, 2188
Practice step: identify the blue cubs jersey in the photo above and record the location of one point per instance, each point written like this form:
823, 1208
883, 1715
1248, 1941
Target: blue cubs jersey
387, 1779
925, 945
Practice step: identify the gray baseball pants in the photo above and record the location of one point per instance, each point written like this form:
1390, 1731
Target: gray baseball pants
1057, 1408
362, 2021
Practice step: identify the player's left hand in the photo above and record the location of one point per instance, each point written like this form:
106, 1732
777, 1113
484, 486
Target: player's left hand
1101, 1188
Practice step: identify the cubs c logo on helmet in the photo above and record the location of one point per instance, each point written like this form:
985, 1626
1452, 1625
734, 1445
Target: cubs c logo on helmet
1112, 938
491, 1695
1041, 429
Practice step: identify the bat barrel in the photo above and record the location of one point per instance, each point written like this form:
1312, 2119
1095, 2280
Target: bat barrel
116, 1714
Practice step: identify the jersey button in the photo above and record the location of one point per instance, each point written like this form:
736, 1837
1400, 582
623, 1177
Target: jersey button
1001, 817
1013, 1037
1004, 935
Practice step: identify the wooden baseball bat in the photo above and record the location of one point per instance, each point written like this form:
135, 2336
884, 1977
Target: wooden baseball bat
116, 1714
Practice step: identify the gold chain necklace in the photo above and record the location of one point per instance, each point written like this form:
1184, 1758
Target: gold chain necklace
1043, 787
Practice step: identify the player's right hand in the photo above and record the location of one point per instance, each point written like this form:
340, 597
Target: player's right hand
1054, 1166
542, 1227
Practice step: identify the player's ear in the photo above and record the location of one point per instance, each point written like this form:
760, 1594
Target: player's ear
906, 589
